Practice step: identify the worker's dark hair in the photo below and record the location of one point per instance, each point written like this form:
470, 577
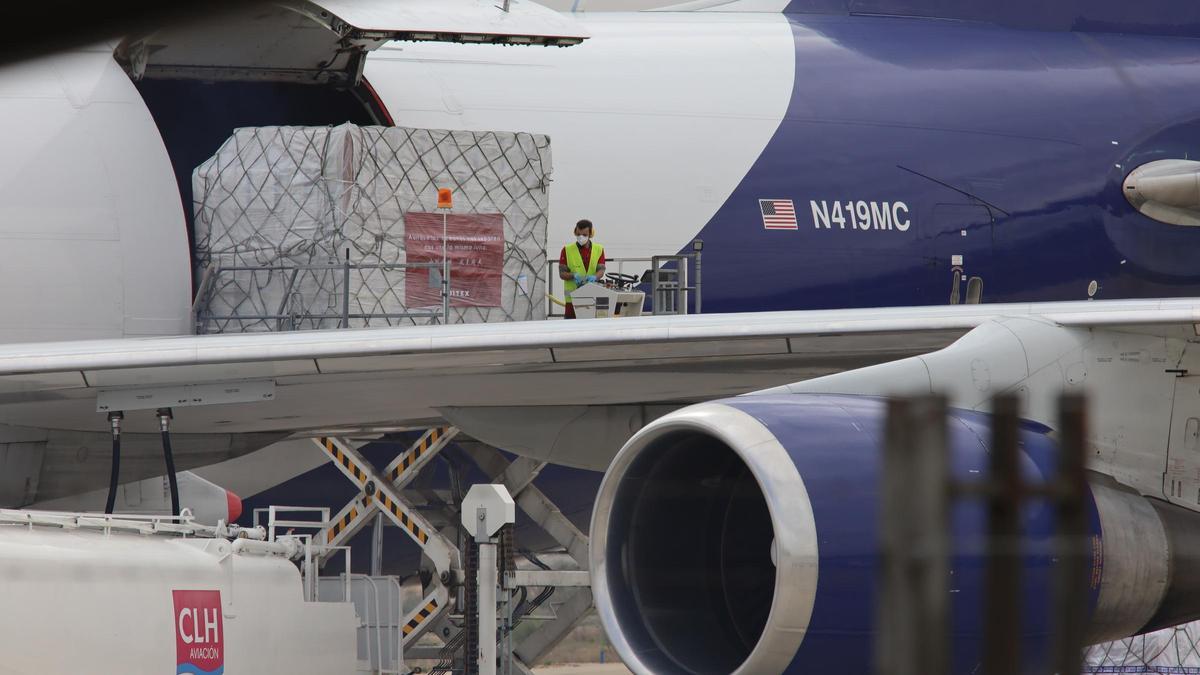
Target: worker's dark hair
584, 223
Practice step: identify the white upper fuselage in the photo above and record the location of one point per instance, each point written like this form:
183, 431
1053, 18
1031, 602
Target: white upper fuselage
637, 115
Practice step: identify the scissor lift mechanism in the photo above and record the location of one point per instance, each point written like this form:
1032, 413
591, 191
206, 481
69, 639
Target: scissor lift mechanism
378, 494
382, 493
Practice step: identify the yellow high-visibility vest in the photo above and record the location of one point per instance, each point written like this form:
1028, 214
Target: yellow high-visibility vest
575, 264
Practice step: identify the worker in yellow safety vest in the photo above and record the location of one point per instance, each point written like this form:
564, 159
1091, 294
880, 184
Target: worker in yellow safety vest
581, 262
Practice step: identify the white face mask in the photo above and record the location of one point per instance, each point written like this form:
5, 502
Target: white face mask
581, 239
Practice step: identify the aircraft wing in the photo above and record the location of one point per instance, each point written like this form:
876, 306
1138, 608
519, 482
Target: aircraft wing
524, 375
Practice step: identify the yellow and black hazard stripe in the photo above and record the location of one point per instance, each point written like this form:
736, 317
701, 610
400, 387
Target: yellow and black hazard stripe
417, 620
344, 459
345, 520
427, 441
405, 521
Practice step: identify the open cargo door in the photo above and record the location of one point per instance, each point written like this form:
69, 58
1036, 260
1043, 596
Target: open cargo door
325, 43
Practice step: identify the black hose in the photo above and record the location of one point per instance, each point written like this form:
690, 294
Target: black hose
171, 479
164, 423
114, 420
113, 475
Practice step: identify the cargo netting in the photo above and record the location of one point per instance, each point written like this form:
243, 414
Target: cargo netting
290, 222
1172, 650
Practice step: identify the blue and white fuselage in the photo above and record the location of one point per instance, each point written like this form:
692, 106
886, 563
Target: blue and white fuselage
908, 146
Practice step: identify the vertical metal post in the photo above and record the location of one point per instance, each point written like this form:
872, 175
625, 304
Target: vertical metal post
656, 301
377, 546
699, 253
1070, 607
308, 572
398, 623
507, 654
681, 268
346, 292
1002, 604
446, 292
445, 273
487, 598
913, 613
550, 284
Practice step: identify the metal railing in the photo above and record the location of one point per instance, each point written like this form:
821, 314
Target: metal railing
378, 604
669, 288
379, 614
211, 283
667, 275
377, 599
309, 566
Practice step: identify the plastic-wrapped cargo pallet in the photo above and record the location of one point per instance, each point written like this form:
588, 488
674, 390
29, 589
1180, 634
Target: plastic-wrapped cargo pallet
303, 200
1172, 650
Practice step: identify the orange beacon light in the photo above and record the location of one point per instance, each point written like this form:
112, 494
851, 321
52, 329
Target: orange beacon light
445, 200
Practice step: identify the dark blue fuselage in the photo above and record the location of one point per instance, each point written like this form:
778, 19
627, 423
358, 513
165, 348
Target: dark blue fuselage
1006, 147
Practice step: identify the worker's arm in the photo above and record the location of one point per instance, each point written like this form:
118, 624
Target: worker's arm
564, 272
600, 271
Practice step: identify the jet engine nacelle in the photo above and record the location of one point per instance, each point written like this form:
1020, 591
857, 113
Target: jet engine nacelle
742, 536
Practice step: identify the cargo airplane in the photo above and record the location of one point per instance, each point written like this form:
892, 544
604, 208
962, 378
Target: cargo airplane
851, 166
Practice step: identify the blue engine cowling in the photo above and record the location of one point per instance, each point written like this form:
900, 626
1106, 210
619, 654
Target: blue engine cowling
742, 536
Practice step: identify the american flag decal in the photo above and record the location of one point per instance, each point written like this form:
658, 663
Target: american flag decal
778, 214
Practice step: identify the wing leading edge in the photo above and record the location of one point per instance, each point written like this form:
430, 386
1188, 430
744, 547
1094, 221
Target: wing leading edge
380, 378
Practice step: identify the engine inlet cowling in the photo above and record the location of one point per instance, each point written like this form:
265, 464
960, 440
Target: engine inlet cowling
741, 536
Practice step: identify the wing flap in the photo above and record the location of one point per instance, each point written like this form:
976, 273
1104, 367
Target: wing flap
193, 374
435, 361
674, 350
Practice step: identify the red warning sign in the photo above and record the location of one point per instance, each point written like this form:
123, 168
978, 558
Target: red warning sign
475, 249
199, 633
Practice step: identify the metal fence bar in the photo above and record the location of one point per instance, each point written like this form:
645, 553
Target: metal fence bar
931, 540
1070, 587
914, 523
894, 611
1002, 602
